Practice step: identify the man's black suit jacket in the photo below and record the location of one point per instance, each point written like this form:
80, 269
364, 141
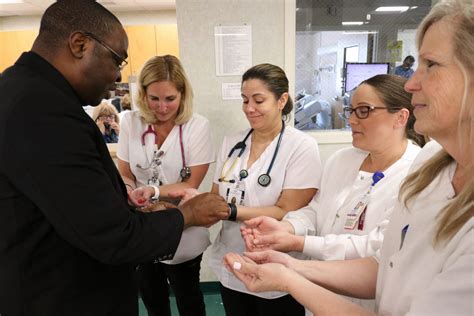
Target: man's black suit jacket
69, 243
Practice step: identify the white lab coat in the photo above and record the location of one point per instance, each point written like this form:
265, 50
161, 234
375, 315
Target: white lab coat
342, 185
415, 278
297, 166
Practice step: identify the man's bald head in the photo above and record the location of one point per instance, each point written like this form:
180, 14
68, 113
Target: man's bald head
67, 16
86, 43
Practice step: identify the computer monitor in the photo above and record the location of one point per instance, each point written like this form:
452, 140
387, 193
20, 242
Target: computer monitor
358, 72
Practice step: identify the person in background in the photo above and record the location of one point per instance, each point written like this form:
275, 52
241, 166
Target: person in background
107, 119
359, 186
69, 240
405, 70
427, 258
126, 105
165, 129
269, 169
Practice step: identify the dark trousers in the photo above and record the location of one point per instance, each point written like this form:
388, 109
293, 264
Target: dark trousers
184, 280
243, 304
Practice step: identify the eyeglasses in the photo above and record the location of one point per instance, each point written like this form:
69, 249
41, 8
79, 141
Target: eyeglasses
107, 117
119, 60
362, 111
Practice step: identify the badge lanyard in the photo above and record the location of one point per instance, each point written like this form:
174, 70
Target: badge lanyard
185, 171
357, 214
264, 179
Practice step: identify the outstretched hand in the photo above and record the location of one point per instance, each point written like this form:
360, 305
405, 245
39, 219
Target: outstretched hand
271, 256
265, 233
258, 277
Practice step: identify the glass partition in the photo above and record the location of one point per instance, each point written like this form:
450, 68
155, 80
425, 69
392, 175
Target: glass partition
339, 43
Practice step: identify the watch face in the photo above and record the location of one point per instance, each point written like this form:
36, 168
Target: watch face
264, 180
243, 174
185, 173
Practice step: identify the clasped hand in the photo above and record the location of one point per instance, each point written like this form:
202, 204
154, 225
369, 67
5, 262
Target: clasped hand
201, 209
141, 198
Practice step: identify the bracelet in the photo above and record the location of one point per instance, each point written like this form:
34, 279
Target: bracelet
233, 212
157, 192
129, 185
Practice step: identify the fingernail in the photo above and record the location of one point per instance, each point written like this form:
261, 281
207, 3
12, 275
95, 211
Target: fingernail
237, 265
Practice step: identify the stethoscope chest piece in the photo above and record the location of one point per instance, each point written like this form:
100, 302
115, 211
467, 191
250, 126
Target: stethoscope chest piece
185, 173
264, 180
243, 174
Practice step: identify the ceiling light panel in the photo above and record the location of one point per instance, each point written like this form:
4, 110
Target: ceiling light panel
391, 9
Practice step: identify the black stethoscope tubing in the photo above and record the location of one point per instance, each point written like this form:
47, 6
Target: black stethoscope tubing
265, 178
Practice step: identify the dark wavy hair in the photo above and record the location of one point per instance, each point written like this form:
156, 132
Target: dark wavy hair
275, 79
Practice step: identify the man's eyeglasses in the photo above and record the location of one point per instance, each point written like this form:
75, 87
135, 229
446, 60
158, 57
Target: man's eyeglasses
119, 60
362, 111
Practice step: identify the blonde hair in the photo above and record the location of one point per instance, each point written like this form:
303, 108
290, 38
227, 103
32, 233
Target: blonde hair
165, 68
104, 108
126, 102
454, 215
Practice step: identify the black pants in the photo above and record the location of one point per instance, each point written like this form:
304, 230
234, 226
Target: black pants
184, 280
243, 304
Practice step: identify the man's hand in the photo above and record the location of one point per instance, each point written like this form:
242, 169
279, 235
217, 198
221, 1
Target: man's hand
204, 209
157, 206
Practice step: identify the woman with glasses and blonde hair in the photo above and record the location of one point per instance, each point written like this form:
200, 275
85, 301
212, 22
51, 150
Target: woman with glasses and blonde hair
107, 119
165, 147
427, 258
359, 186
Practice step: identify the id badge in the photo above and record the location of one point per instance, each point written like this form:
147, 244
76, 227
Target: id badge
354, 215
236, 193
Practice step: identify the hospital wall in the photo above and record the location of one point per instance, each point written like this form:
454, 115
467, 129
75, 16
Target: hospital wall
273, 41
273, 36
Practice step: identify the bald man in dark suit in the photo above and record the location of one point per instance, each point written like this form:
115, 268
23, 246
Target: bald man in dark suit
69, 241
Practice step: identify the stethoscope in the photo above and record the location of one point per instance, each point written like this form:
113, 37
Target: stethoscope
264, 179
185, 171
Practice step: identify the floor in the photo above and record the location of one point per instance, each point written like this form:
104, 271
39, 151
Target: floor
212, 299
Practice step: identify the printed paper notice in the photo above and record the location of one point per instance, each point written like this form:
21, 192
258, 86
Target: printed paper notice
231, 91
233, 49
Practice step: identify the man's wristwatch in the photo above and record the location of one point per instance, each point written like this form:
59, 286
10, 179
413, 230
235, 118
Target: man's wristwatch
233, 212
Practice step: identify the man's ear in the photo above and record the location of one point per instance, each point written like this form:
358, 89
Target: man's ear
78, 43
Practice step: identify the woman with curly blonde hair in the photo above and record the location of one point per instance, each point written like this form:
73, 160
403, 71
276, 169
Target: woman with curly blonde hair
107, 119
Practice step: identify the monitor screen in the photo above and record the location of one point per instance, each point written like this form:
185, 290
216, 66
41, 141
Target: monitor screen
358, 72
